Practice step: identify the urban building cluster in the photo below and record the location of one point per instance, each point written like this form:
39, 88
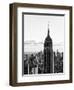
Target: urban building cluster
44, 62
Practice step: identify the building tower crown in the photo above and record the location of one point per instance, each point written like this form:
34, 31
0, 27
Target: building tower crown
48, 39
48, 32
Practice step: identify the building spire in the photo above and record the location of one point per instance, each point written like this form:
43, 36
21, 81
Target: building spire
48, 28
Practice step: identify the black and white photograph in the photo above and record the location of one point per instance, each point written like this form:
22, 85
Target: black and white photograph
43, 43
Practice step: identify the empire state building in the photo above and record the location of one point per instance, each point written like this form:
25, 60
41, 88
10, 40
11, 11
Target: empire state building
48, 54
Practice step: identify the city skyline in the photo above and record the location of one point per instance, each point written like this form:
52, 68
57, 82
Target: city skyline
43, 44
44, 61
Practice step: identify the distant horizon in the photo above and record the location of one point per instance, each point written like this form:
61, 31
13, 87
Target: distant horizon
34, 42
32, 46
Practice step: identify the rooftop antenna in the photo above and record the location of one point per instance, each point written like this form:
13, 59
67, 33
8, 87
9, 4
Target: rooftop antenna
48, 28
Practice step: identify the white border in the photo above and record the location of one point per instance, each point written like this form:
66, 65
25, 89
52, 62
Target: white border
47, 77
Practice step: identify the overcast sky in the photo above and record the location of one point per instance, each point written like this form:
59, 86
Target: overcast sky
36, 27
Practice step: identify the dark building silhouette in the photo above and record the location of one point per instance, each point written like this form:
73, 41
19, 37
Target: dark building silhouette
26, 64
48, 54
58, 62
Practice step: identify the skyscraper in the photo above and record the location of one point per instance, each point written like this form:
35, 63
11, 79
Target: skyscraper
48, 54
